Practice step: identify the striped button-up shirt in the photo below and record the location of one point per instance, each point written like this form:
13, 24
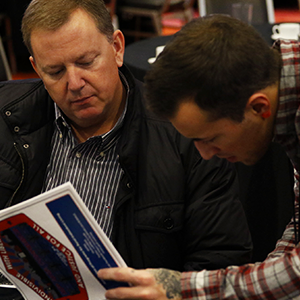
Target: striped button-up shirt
92, 167
278, 277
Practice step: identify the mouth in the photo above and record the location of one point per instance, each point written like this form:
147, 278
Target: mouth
232, 159
81, 101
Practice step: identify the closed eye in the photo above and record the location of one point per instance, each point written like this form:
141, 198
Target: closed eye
85, 64
87, 60
208, 141
204, 141
56, 73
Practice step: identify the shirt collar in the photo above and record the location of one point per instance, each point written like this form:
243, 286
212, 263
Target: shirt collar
288, 89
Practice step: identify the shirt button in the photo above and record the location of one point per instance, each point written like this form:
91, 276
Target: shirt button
78, 154
102, 154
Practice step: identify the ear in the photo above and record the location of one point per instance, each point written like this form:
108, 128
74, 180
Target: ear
31, 59
119, 47
260, 105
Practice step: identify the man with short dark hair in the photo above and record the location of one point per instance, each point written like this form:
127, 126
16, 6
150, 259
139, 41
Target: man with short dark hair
220, 85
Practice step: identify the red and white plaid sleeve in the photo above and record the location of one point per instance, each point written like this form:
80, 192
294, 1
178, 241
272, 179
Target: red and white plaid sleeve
277, 278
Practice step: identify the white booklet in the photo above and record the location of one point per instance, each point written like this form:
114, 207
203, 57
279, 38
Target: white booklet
51, 247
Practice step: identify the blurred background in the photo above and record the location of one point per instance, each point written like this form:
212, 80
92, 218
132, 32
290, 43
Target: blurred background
138, 19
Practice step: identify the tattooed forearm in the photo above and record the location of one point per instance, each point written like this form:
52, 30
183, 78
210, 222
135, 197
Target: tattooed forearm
170, 281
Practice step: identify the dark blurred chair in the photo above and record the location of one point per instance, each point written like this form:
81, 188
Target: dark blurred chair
5, 72
14, 10
7, 290
6, 33
153, 10
263, 10
111, 6
10, 294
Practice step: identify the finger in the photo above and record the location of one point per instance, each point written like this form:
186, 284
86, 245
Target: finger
117, 274
137, 292
132, 276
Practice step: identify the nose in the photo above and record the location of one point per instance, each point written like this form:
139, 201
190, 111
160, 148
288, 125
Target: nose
75, 80
206, 151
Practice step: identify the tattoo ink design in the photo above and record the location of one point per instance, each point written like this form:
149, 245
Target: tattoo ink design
170, 281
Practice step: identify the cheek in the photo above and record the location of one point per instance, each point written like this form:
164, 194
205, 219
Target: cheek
243, 145
51, 85
231, 145
197, 145
56, 92
101, 76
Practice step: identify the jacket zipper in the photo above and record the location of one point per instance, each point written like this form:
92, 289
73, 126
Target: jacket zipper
22, 177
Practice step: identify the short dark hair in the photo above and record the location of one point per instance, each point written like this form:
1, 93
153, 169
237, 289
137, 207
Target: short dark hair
52, 14
216, 61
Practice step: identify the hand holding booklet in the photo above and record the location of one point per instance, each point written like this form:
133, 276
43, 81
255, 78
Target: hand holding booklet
51, 248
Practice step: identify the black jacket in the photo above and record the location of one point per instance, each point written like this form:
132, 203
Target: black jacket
173, 209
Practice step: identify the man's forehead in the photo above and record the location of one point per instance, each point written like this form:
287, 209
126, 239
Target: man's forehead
189, 110
190, 120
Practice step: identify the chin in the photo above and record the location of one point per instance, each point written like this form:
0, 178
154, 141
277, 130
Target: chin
251, 161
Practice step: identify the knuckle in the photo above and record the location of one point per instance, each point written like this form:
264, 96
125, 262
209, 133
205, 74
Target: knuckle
147, 279
148, 294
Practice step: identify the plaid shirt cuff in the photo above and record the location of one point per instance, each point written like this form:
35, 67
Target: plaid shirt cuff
192, 284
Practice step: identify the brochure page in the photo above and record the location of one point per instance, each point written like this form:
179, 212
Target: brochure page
51, 247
